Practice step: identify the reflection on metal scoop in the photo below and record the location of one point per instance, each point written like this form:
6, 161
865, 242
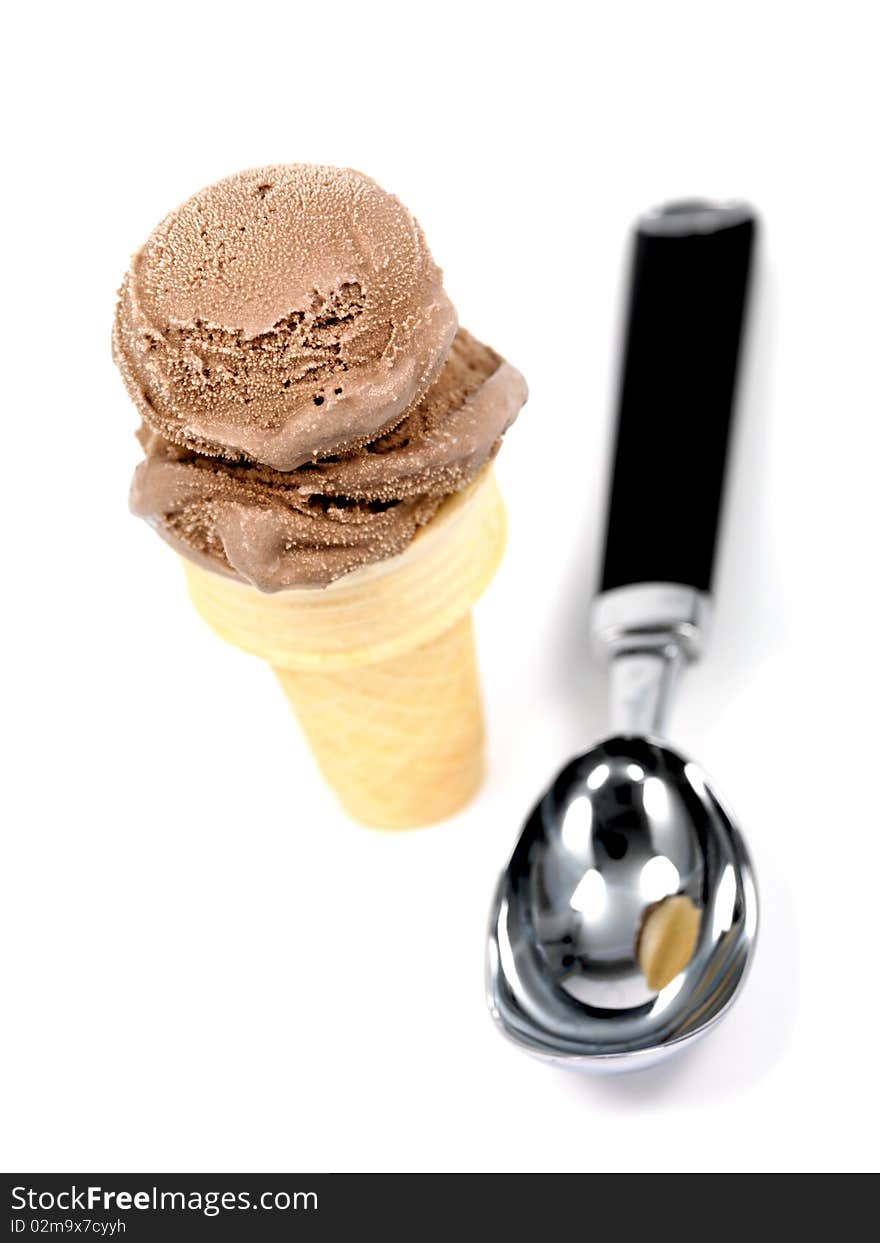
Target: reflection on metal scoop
623, 924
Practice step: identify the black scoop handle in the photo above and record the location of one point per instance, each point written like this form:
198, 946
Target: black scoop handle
690, 274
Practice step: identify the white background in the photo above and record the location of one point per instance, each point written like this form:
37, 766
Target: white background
207, 966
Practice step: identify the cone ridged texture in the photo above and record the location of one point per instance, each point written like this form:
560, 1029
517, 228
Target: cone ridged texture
380, 667
400, 741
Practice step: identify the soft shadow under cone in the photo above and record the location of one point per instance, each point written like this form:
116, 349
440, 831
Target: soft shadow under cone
380, 667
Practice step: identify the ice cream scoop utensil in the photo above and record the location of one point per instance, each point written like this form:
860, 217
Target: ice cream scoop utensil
624, 922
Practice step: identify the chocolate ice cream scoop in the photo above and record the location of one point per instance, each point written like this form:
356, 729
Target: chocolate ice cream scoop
307, 399
306, 527
283, 312
443, 440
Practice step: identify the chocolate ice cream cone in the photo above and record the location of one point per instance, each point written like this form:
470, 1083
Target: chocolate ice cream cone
318, 432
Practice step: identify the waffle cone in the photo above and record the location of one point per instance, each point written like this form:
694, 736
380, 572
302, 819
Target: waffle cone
380, 666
